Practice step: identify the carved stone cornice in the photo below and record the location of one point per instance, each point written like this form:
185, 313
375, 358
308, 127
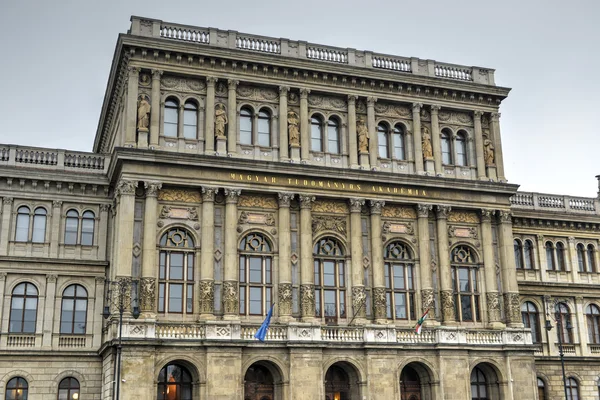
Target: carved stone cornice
478, 114
51, 278
232, 195
328, 223
306, 201
371, 100
283, 90
442, 211
356, 205
285, 198
495, 117
209, 192
126, 187
423, 210
156, 74
376, 206
133, 71
152, 188
105, 207
352, 99
232, 84
435, 108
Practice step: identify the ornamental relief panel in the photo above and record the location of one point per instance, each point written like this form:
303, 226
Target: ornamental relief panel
256, 201
462, 232
392, 228
456, 117
393, 110
466, 217
267, 219
327, 102
186, 85
391, 211
180, 195
330, 206
257, 93
329, 223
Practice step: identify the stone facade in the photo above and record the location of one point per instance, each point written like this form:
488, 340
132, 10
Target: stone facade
355, 190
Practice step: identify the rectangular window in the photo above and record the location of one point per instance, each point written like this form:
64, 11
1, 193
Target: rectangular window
22, 233
333, 145
316, 140
256, 304
246, 130
264, 134
39, 229
87, 232
161, 297
383, 145
175, 297
398, 146
170, 126
189, 124
71, 226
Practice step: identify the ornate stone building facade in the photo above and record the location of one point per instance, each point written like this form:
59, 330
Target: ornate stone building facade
354, 190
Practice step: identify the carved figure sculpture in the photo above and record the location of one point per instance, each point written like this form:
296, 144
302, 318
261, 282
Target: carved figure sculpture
143, 115
363, 136
220, 121
489, 152
426, 143
293, 132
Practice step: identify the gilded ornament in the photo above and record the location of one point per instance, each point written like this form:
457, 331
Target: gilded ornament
392, 211
152, 188
179, 195
253, 201
466, 217
147, 294
376, 206
328, 223
330, 206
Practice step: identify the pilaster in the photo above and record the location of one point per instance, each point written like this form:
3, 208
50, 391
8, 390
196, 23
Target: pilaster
373, 140
435, 140
230, 284
133, 74
49, 308
232, 116
155, 113
512, 308
446, 292
148, 281
489, 271
352, 144
379, 302
55, 227
207, 243
283, 128
284, 289
359, 296
307, 279
417, 140
479, 145
495, 127
7, 203
427, 293
304, 126
125, 191
209, 116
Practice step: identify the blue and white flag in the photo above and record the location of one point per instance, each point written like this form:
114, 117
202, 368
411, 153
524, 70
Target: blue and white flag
261, 333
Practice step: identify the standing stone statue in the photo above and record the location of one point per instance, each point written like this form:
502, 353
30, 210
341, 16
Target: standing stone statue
220, 121
489, 152
293, 132
363, 136
426, 143
143, 114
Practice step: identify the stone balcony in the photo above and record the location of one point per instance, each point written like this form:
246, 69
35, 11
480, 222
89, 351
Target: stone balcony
555, 203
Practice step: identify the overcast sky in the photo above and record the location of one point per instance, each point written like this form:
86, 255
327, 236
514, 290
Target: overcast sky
56, 56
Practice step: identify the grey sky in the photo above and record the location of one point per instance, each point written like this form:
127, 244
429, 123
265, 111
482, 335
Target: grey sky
56, 58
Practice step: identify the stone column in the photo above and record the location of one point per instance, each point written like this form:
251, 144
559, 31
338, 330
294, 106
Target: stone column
207, 243
479, 145
49, 308
155, 113
379, 303
3, 324
133, 75
126, 192
541, 251
307, 278
359, 294
96, 324
581, 326
55, 227
446, 290
209, 116
103, 231
512, 306
147, 292
373, 140
6, 230
418, 144
497, 140
489, 271
232, 116
435, 140
572, 261
352, 144
304, 126
230, 281
283, 129
427, 293
284, 288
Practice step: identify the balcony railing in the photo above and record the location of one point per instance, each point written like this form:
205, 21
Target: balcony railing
57, 160
310, 51
551, 202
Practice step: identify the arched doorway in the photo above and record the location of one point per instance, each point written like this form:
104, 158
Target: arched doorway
174, 383
410, 384
341, 382
262, 381
484, 383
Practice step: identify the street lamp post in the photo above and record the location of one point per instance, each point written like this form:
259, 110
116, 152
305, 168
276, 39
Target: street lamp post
557, 318
122, 299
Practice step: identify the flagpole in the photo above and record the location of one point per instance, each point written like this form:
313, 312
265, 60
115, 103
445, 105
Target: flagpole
357, 311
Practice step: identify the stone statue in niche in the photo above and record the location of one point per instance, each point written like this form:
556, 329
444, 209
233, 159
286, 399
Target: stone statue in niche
220, 121
363, 136
488, 148
426, 143
293, 132
143, 114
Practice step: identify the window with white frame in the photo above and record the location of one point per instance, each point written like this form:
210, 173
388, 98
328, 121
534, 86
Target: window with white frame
256, 274
31, 226
465, 282
171, 118
190, 120
176, 272
79, 229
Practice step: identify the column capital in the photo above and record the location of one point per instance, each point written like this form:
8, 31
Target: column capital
133, 71
105, 207
152, 188
211, 80
376, 206
126, 187
486, 215
306, 201
505, 216
435, 108
571, 239
157, 73
232, 195
356, 205
7, 200
371, 100
478, 114
3, 276
51, 278
285, 198
495, 116
59, 203
416, 107
423, 210
232, 83
304, 93
352, 99
540, 238
283, 90
209, 192
442, 211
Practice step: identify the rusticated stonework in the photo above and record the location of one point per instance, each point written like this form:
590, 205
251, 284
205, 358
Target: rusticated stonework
428, 301
230, 297
207, 297
147, 294
359, 300
447, 305
307, 300
493, 306
512, 308
284, 293
379, 306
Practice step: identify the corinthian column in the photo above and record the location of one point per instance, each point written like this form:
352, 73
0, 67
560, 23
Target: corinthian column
284, 289
304, 125
352, 144
495, 127
435, 140
379, 304
512, 306
230, 283
207, 270
148, 282
427, 294
479, 145
133, 75
232, 116
373, 140
489, 269
446, 291
155, 113
418, 144
284, 144
125, 193
359, 294
307, 278
209, 116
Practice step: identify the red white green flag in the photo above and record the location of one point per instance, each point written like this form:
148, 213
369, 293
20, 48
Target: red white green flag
419, 324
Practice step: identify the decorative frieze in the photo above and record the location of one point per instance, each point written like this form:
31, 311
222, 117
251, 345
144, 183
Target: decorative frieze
465, 217
230, 297
256, 218
253, 201
359, 301
327, 102
176, 195
177, 84
391, 211
493, 306
330, 206
428, 301
147, 294
284, 293
379, 304
389, 227
254, 93
462, 232
307, 300
447, 298
322, 223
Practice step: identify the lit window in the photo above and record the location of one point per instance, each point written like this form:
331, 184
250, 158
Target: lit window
68, 389
16, 389
174, 383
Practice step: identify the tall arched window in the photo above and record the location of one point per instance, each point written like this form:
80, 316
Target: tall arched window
174, 383
88, 220
399, 281
264, 128
73, 316
399, 142
383, 140
466, 284
316, 134
256, 275
446, 143
23, 308
16, 389
39, 225
541, 389
245, 126
171, 118
550, 260
28, 229
22, 229
333, 136
68, 389
176, 272
190, 120
572, 389
330, 280
71, 227
591, 258
461, 149
528, 254
560, 256
581, 258
563, 319
73, 235
531, 320
478, 385
518, 249
592, 314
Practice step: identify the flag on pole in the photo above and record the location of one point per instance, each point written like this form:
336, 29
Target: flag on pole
261, 333
419, 324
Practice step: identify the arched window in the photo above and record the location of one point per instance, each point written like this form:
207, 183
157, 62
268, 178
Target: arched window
581, 257
399, 142
72, 232
563, 320
23, 308
337, 383
518, 249
190, 120
560, 256
68, 389
330, 280
399, 281
466, 284
333, 136
174, 383
461, 149
446, 143
528, 255
541, 389
22, 229
87, 228
478, 385
572, 389
73, 316
316, 134
256, 275
264, 128
39, 225
591, 258
592, 314
171, 118
550, 260
71, 227
245, 126
259, 383
176, 272
531, 320
383, 140
16, 389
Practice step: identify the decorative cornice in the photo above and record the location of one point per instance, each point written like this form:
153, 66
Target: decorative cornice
306, 201
7, 201
486, 215
505, 216
126, 187
442, 211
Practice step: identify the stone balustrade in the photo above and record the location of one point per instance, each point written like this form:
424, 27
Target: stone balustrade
316, 52
551, 202
57, 160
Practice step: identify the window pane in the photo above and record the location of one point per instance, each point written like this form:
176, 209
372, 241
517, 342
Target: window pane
400, 299
328, 273
256, 301
388, 304
161, 297
255, 270
176, 267
399, 277
242, 300
189, 298
22, 231
87, 231
398, 146
245, 128
318, 303
467, 311
383, 145
175, 297
39, 229
333, 138
316, 135
71, 228
461, 150
446, 155
171, 117
463, 277
189, 124
528, 255
330, 303
264, 132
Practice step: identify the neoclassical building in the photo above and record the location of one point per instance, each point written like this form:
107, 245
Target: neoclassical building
356, 191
